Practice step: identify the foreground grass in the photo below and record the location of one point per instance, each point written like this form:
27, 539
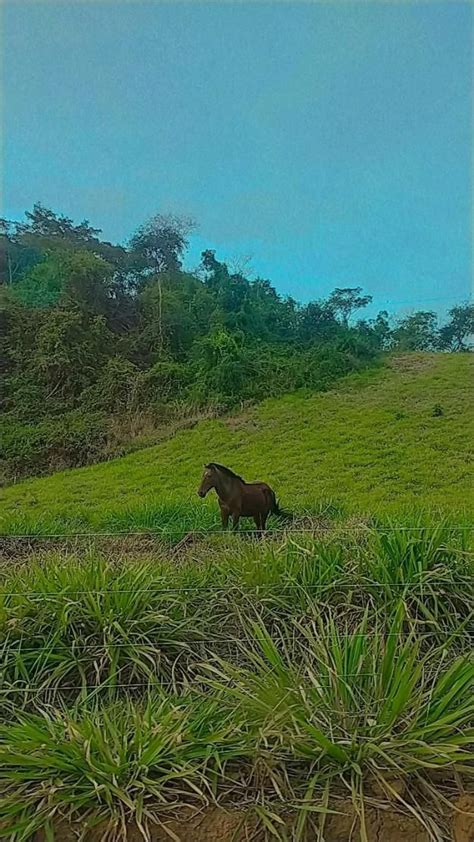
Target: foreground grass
374, 444
278, 736
82, 621
278, 674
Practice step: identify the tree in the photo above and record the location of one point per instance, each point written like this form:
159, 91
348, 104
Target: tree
25, 244
79, 276
173, 314
377, 331
216, 273
345, 301
42, 285
158, 245
454, 335
71, 347
43, 222
88, 282
15, 257
223, 367
417, 332
318, 321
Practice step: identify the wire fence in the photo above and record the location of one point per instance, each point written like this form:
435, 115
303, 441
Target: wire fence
203, 532
279, 587
201, 683
370, 712
76, 648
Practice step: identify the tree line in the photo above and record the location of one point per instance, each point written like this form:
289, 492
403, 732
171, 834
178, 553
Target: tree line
92, 331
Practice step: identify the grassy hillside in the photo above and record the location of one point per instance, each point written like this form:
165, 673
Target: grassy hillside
383, 440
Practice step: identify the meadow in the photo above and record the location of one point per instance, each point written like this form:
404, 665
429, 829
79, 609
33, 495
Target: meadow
383, 441
314, 685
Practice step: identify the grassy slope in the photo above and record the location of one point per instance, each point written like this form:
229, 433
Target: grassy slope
372, 444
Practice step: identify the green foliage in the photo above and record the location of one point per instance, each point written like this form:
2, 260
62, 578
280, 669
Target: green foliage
78, 278
15, 259
45, 232
109, 624
162, 382
224, 367
417, 332
42, 285
160, 242
455, 335
115, 388
88, 326
107, 764
345, 301
73, 439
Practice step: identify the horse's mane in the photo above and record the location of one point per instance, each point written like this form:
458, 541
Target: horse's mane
224, 470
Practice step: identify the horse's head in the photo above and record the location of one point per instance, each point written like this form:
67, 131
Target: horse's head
208, 480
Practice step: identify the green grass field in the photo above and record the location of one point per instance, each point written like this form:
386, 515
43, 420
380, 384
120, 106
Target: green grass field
277, 680
385, 440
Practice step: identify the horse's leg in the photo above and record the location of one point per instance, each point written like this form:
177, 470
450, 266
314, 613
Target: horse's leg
263, 519
225, 518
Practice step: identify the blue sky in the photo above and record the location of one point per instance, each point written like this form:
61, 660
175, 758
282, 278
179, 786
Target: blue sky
329, 141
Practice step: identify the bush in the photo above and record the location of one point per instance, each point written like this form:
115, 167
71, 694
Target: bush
78, 438
115, 389
227, 371
164, 381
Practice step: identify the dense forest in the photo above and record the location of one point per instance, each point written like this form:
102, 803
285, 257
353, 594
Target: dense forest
99, 340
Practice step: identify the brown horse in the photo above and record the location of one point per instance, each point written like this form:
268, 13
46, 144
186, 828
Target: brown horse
238, 498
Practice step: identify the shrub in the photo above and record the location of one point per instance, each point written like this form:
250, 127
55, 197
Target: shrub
77, 438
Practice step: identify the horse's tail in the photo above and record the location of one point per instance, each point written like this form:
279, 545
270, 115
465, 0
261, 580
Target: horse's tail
279, 512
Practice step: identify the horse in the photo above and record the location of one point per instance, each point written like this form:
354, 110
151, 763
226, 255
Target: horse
238, 498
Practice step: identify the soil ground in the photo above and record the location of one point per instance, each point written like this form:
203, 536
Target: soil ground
218, 825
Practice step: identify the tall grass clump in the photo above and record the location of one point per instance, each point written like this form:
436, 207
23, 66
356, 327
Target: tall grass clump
303, 574
114, 764
341, 709
170, 520
430, 567
70, 626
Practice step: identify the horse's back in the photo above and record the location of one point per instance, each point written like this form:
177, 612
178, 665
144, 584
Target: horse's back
259, 494
263, 485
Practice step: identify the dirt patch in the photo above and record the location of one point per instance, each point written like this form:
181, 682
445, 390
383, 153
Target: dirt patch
15, 549
412, 362
213, 825
245, 421
219, 825
463, 822
387, 825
